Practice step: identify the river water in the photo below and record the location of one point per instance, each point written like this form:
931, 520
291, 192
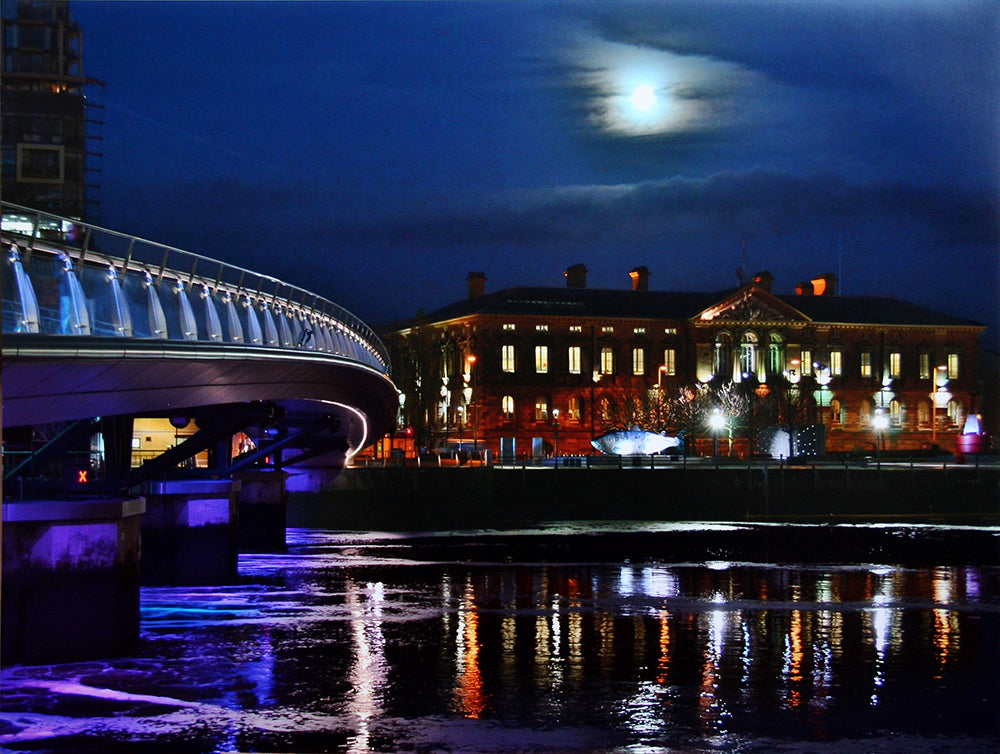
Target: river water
569, 637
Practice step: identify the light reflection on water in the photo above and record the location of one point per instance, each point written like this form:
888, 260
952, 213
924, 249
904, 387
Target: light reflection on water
500, 641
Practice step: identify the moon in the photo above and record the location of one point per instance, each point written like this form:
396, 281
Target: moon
643, 98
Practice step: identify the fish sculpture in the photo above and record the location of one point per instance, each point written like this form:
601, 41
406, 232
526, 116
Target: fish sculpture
635, 442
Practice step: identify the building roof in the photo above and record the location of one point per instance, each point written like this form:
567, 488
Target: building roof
683, 305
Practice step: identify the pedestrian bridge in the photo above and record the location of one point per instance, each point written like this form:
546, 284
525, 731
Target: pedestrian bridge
100, 324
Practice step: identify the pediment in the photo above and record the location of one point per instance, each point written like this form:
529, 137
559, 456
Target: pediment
751, 304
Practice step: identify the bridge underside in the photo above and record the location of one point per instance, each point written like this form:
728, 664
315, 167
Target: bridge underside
300, 404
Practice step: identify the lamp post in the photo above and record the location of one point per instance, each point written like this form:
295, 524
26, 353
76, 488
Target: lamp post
659, 393
716, 421
939, 378
880, 423
555, 434
474, 404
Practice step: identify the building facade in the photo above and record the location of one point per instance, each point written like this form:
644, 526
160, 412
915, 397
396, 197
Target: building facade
531, 371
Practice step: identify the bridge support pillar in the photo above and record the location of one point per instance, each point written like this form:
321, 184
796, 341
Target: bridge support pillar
263, 503
71, 577
190, 532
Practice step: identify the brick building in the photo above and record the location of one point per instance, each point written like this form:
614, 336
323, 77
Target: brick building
539, 370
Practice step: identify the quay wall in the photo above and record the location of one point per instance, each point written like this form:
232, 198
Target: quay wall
430, 498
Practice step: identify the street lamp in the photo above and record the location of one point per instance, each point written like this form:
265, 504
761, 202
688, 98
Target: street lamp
716, 421
939, 379
881, 423
474, 403
659, 393
555, 434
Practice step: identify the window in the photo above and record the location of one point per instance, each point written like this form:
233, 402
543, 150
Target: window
806, 360
573, 410
836, 363
608, 330
670, 331
722, 356
925, 366
509, 326
895, 413
507, 407
40, 163
895, 364
748, 353
638, 361
776, 355
836, 412
954, 411
541, 410
541, 328
866, 363
638, 330
507, 358
574, 359
670, 361
952, 366
575, 328
607, 360
541, 359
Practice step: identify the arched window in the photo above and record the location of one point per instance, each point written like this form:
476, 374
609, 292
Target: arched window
776, 355
541, 409
748, 353
573, 408
507, 407
722, 356
895, 413
954, 412
837, 411
924, 413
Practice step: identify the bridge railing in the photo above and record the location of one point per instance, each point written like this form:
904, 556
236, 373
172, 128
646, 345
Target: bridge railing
65, 277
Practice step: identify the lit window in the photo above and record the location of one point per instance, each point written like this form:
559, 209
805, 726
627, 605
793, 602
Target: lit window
608, 330
895, 364
925, 366
574, 359
507, 406
748, 353
836, 412
541, 359
836, 363
895, 413
952, 366
638, 330
776, 355
607, 361
722, 356
806, 361
509, 326
638, 361
542, 328
507, 358
573, 408
575, 328
866, 363
541, 410
954, 411
670, 361
670, 331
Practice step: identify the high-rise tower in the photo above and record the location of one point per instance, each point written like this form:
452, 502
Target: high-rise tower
49, 159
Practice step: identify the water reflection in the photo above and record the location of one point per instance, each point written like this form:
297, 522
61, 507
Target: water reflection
361, 645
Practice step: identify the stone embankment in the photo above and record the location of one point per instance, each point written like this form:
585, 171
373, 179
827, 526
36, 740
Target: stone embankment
430, 498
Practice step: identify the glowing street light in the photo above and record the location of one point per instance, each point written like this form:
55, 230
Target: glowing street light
555, 434
475, 399
881, 423
716, 421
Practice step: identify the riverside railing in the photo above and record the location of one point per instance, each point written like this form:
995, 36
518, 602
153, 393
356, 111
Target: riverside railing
66, 277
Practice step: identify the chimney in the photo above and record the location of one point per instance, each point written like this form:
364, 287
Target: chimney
763, 280
825, 285
640, 279
477, 284
576, 276
804, 289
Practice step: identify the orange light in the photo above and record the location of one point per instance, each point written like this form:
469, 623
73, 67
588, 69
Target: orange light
81, 476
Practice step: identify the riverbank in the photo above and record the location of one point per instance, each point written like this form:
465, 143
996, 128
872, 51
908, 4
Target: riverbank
408, 498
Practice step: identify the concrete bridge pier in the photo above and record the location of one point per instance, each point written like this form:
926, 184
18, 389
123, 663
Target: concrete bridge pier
263, 504
190, 532
71, 578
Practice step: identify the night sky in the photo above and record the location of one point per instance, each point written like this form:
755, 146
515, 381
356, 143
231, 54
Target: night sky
376, 153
